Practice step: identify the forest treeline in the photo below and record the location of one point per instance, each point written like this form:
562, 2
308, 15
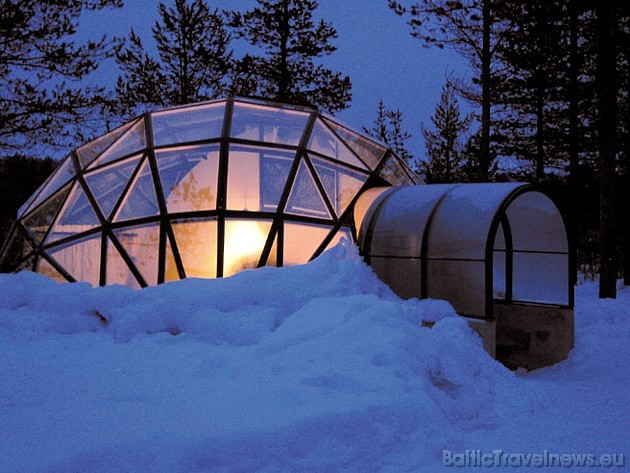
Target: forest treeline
546, 98
549, 94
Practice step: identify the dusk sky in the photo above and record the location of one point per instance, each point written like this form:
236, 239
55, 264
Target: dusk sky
374, 48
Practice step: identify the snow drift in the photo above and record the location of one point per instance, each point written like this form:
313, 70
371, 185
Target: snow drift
309, 368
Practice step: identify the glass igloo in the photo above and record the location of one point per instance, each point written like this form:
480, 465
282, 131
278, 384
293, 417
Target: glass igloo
204, 190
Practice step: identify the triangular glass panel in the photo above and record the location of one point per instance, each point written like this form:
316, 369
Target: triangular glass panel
189, 177
77, 216
170, 268
81, 259
47, 269
341, 184
108, 184
142, 244
140, 200
327, 173
305, 199
272, 259
274, 174
132, 141
394, 173
39, 221
89, 152
197, 245
301, 241
61, 175
325, 142
117, 271
370, 152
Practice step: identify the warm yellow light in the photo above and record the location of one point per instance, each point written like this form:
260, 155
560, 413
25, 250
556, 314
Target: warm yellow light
244, 242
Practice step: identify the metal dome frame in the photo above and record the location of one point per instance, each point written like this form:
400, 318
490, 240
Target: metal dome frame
364, 158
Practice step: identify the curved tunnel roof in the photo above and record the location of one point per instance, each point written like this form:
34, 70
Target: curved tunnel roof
471, 244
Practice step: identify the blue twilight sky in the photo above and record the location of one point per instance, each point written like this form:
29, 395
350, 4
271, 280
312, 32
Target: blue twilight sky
374, 48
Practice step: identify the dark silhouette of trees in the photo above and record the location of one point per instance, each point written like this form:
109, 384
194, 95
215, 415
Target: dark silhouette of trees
388, 128
19, 178
42, 102
193, 59
551, 83
445, 146
529, 99
291, 43
471, 27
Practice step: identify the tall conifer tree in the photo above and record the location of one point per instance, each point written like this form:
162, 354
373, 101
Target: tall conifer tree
192, 64
291, 43
444, 144
388, 128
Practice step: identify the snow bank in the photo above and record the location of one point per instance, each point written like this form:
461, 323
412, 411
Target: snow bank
309, 368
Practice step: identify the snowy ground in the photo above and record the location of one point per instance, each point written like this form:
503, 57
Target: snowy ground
318, 368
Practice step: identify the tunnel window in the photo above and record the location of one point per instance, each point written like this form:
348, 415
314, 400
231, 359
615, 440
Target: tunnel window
499, 258
540, 250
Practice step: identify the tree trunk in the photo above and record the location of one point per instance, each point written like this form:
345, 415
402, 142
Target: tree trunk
607, 110
573, 96
484, 152
540, 139
625, 220
540, 92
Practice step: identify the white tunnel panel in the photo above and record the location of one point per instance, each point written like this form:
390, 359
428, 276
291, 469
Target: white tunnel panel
462, 222
462, 283
390, 269
402, 217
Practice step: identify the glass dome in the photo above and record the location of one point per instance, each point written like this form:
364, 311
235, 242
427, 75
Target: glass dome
204, 190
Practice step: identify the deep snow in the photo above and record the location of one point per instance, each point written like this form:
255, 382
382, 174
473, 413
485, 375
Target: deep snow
315, 368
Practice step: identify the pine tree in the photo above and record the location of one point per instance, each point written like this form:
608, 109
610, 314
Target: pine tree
530, 111
469, 27
444, 145
388, 128
40, 66
379, 128
290, 42
607, 129
192, 64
